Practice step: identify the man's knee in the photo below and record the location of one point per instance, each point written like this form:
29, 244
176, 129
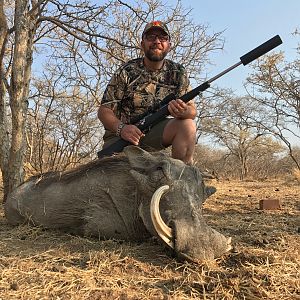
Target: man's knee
188, 126
179, 128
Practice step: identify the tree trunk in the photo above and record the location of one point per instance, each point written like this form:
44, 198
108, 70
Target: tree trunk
4, 125
20, 79
243, 164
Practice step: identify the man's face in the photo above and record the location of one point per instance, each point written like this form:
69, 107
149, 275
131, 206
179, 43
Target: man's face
156, 44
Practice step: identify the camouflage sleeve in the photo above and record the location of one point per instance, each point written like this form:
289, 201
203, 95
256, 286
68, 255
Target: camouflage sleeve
114, 91
184, 82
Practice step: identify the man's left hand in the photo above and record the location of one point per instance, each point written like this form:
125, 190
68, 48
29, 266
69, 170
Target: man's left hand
178, 108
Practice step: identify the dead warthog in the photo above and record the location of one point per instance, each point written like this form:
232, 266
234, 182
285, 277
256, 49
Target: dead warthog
125, 197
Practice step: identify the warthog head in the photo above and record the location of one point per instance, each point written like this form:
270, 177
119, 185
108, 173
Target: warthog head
175, 209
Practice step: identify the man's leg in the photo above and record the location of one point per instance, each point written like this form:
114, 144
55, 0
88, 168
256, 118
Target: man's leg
181, 134
153, 140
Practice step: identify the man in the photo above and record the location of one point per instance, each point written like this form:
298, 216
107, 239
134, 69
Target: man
140, 84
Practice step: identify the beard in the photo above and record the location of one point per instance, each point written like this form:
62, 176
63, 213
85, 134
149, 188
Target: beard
153, 56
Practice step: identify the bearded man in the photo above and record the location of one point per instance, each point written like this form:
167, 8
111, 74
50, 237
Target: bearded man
140, 84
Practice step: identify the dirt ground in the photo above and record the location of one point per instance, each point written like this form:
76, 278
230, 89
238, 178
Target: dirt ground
264, 264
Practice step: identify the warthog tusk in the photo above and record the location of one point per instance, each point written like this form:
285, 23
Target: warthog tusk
162, 229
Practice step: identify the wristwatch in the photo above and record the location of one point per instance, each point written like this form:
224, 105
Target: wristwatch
119, 129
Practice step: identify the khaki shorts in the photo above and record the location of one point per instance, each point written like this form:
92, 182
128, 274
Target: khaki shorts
151, 141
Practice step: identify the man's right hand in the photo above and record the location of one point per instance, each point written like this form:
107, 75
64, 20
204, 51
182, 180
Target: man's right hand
132, 134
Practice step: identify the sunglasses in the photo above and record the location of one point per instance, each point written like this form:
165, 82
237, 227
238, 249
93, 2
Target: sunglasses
152, 37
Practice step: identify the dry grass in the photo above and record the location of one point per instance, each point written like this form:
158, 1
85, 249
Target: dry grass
265, 262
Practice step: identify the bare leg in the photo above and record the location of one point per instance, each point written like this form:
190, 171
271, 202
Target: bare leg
181, 134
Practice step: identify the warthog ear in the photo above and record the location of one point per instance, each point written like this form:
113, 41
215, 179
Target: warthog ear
141, 180
138, 158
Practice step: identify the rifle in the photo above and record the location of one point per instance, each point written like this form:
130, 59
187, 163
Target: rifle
148, 119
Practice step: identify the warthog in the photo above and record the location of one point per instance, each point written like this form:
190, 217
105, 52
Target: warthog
125, 197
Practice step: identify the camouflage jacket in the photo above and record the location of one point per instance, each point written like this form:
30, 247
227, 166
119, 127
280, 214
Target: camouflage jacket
133, 88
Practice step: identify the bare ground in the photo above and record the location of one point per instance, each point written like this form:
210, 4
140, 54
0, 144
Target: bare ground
264, 264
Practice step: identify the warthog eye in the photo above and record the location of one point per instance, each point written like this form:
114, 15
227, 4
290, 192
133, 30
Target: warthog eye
159, 168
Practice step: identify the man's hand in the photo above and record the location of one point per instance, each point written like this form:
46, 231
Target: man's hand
131, 134
178, 108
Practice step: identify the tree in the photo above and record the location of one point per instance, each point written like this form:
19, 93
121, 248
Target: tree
21, 29
85, 42
232, 127
275, 85
62, 128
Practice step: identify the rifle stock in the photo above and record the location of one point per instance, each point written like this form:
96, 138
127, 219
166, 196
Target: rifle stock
145, 121
116, 147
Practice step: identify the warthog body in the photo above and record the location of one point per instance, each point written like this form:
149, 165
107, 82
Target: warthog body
111, 198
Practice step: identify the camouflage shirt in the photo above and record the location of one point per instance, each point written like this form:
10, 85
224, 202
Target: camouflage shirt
133, 88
